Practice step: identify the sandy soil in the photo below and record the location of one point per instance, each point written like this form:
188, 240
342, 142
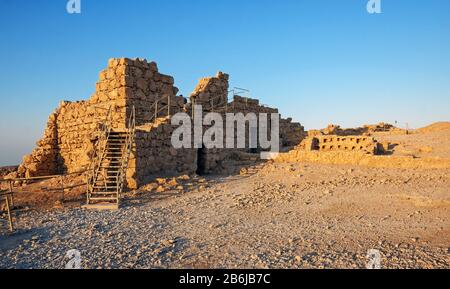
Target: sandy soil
433, 141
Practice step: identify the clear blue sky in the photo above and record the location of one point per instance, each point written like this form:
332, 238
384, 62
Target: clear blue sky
319, 61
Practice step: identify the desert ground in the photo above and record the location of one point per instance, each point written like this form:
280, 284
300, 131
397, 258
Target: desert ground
269, 215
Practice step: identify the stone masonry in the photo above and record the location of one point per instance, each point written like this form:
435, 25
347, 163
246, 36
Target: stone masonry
71, 134
359, 144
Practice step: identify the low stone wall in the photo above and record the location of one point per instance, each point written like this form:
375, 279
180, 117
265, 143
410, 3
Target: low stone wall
341, 143
366, 130
362, 159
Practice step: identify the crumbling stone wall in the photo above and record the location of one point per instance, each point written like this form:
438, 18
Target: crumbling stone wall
153, 95
43, 158
211, 92
71, 134
138, 83
359, 144
68, 142
69, 139
366, 130
291, 133
77, 126
155, 156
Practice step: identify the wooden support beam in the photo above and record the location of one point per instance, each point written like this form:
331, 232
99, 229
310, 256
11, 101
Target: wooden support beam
8, 208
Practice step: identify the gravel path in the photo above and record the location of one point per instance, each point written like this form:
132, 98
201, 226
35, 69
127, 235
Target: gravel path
280, 216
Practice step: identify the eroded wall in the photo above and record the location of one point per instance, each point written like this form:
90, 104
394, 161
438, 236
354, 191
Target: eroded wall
71, 133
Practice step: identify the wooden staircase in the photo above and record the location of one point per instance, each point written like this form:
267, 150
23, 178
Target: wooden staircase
109, 166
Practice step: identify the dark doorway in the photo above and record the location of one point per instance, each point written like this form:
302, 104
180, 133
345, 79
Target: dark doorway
201, 161
253, 150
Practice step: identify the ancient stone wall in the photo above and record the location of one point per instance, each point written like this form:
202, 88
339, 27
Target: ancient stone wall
139, 83
211, 92
72, 130
68, 142
360, 144
155, 156
43, 158
69, 139
366, 130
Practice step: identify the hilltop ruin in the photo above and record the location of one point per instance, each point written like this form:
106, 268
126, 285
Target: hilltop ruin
134, 88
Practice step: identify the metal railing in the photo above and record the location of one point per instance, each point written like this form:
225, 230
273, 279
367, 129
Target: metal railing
126, 153
99, 152
158, 107
218, 105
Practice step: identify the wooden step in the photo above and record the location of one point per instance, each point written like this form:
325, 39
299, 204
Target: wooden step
103, 184
104, 193
110, 167
102, 207
103, 199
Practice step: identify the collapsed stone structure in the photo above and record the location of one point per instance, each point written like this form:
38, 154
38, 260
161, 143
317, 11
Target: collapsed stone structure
358, 144
126, 84
366, 130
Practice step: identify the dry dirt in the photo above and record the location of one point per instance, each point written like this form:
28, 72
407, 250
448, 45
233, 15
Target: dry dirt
432, 141
273, 215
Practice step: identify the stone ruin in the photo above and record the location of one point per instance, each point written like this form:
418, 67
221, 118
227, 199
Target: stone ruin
71, 133
366, 130
355, 144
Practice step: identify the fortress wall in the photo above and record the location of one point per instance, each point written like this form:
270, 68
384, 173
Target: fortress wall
72, 130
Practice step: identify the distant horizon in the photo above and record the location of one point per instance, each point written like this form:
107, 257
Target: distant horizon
319, 62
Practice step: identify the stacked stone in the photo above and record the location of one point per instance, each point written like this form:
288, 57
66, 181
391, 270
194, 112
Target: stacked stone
211, 92
71, 134
155, 155
291, 133
42, 161
247, 105
136, 82
354, 144
78, 124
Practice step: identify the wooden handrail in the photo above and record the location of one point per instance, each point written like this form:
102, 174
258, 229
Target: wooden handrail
41, 177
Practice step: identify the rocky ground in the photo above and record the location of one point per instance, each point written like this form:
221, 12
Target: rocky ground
271, 216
